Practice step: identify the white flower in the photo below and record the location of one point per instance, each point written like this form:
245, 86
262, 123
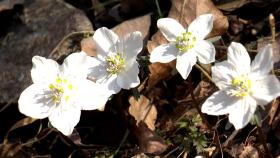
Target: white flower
243, 85
185, 45
59, 92
116, 64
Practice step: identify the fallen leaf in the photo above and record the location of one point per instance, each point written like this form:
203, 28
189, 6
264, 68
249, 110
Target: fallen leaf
43, 25
20, 123
249, 152
9, 4
149, 141
141, 24
191, 10
12, 151
232, 5
143, 110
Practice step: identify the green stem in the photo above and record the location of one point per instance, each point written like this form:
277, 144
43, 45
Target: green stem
158, 9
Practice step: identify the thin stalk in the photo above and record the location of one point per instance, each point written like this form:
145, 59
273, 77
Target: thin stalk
158, 9
121, 143
206, 74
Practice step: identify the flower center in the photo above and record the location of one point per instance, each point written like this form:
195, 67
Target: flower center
115, 63
241, 86
185, 41
59, 88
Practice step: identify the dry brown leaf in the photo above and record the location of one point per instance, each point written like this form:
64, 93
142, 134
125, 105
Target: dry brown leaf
9, 4
249, 152
232, 5
192, 9
141, 24
88, 46
142, 110
12, 151
149, 141
30, 37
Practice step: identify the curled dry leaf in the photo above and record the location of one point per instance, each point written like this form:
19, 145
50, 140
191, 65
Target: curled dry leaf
249, 151
191, 10
141, 24
143, 110
149, 141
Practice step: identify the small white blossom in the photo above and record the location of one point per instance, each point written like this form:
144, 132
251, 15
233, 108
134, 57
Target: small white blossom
115, 64
243, 85
185, 45
60, 92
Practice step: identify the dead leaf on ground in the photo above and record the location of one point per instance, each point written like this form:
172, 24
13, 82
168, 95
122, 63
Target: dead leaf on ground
249, 152
12, 151
149, 141
43, 25
143, 110
232, 5
141, 24
9, 4
192, 9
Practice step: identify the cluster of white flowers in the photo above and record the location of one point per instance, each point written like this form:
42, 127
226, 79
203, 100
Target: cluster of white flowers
60, 92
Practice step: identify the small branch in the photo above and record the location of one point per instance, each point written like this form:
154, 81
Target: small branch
68, 36
205, 72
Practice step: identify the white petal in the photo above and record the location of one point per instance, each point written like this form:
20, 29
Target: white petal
65, 119
98, 71
222, 74
129, 78
44, 71
265, 89
205, 51
201, 26
105, 40
263, 62
133, 44
242, 112
91, 96
35, 102
110, 83
185, 63
164, 53
219, 103
170, 28
77, 65
239, 58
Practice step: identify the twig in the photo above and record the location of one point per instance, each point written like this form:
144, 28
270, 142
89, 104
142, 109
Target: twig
205, 72
68, 36
121, 143
233, 134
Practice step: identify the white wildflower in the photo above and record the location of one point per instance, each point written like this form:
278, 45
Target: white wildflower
60, 92
115, 64
185, 45
243, 85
